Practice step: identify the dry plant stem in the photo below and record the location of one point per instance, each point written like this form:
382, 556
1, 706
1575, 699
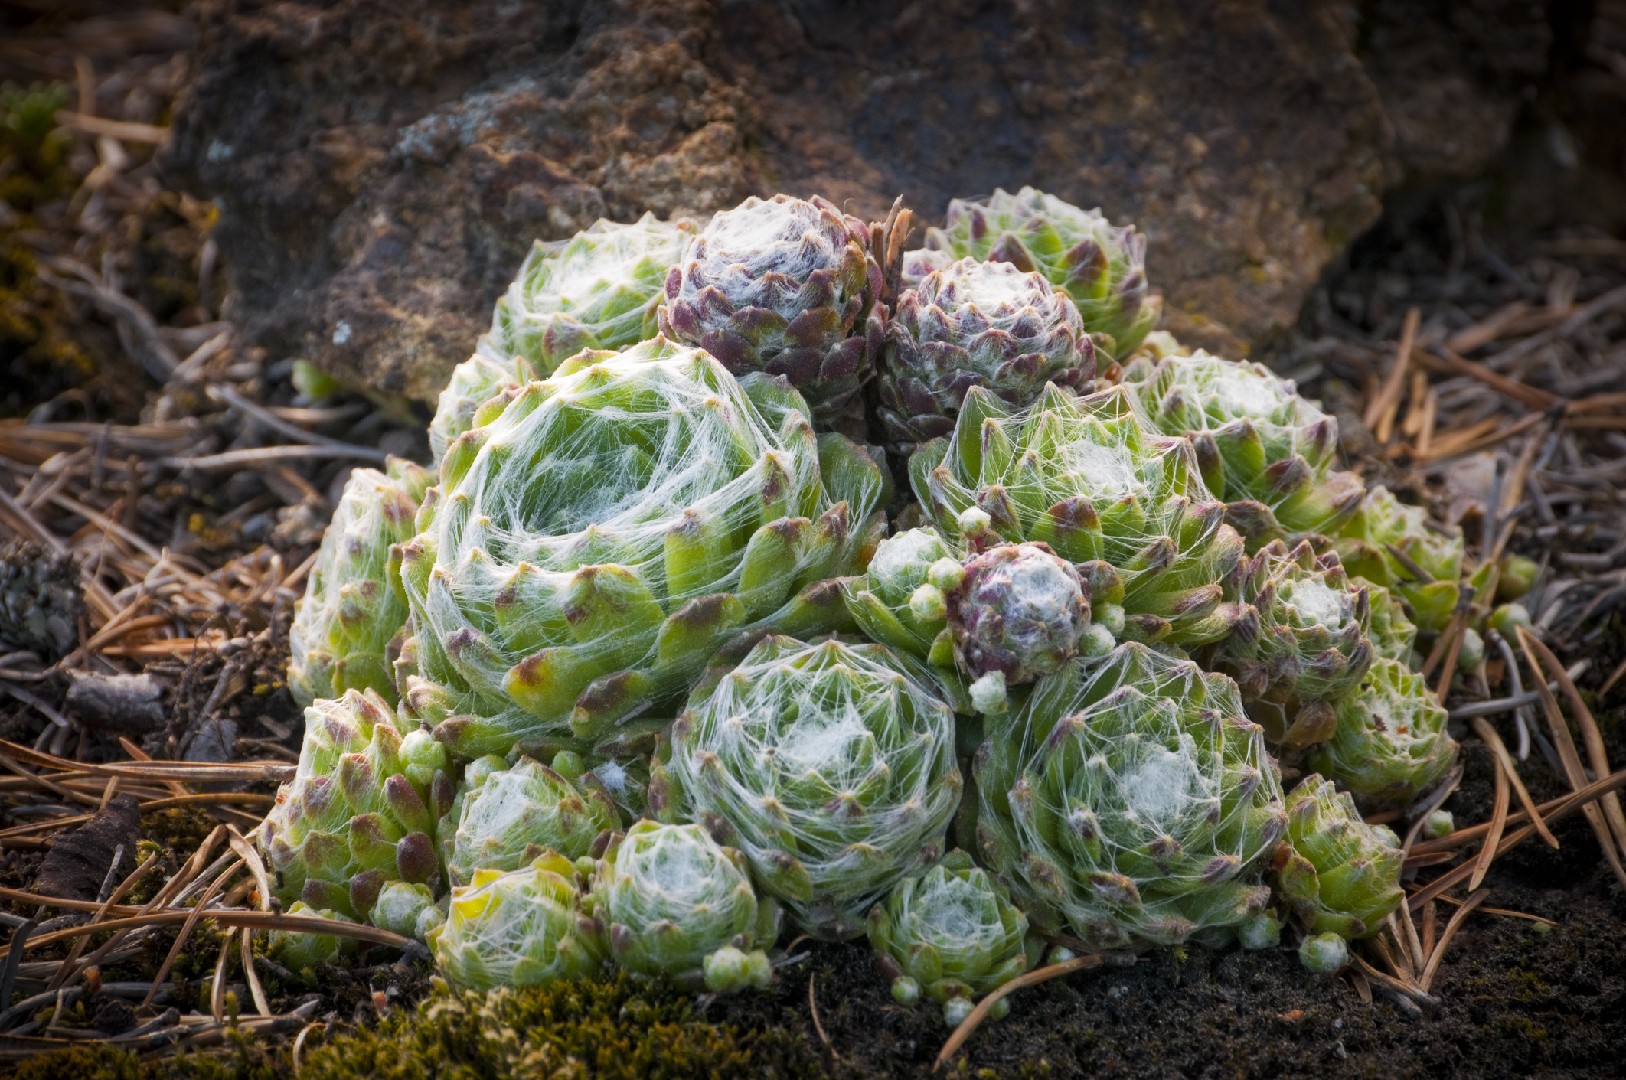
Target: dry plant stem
1483, 910
1054, 971
1405, 990
1571, 759
1590, 735
229, 917
67, 968
183, 771
1380, 411
1578, 800
245, 942
813, 1007
1505, 761
186, 927
1433, 966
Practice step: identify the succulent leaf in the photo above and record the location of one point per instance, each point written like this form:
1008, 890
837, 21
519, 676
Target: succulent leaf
353, 603
299, 950
883, 599
505, 816
1131, 799
597, 290
831, 766
360, 810
1391, 544
1301, 641
520, 928
1088, 477
1264, 449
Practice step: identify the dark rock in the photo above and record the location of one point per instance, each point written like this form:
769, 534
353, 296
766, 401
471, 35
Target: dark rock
383, 165
81, 859
1452, 75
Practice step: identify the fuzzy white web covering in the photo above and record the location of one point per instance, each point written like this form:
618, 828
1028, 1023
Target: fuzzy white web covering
597, 504
839, 757
759, 253
1141, 484
675, 874
1140, 795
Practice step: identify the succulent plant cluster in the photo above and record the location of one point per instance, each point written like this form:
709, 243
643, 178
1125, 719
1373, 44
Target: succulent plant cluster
673, 660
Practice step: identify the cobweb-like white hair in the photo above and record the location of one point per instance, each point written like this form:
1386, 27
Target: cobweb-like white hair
831, 766
1132, 799
590, 545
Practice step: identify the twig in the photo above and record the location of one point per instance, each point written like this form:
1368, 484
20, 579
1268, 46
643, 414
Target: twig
970, 1024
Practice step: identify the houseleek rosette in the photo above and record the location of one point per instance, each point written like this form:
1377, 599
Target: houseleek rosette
505, 816
1392, 544
1301, 643
1099, 265
591, 545
1390, 744
597, 290
679, 905
519, 927
1086, 476
976, 324
1264, 449
1338, 874
831, 766
950, 935
353, 603
1131, 799
360, 811
786, 286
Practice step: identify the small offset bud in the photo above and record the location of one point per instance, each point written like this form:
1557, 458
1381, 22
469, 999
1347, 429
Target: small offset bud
1507, 618
1263, 931
956, 1009
400, 907
1439, 824
1516, 576
1000, 1009
974, 522
988, 694
905, 990
730, 968
1096, 641
1110, 617
927, 604
1471, 653
1323, 954
946, 574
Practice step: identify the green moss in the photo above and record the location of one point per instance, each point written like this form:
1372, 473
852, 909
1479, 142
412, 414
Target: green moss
244, 1059
603, 1029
